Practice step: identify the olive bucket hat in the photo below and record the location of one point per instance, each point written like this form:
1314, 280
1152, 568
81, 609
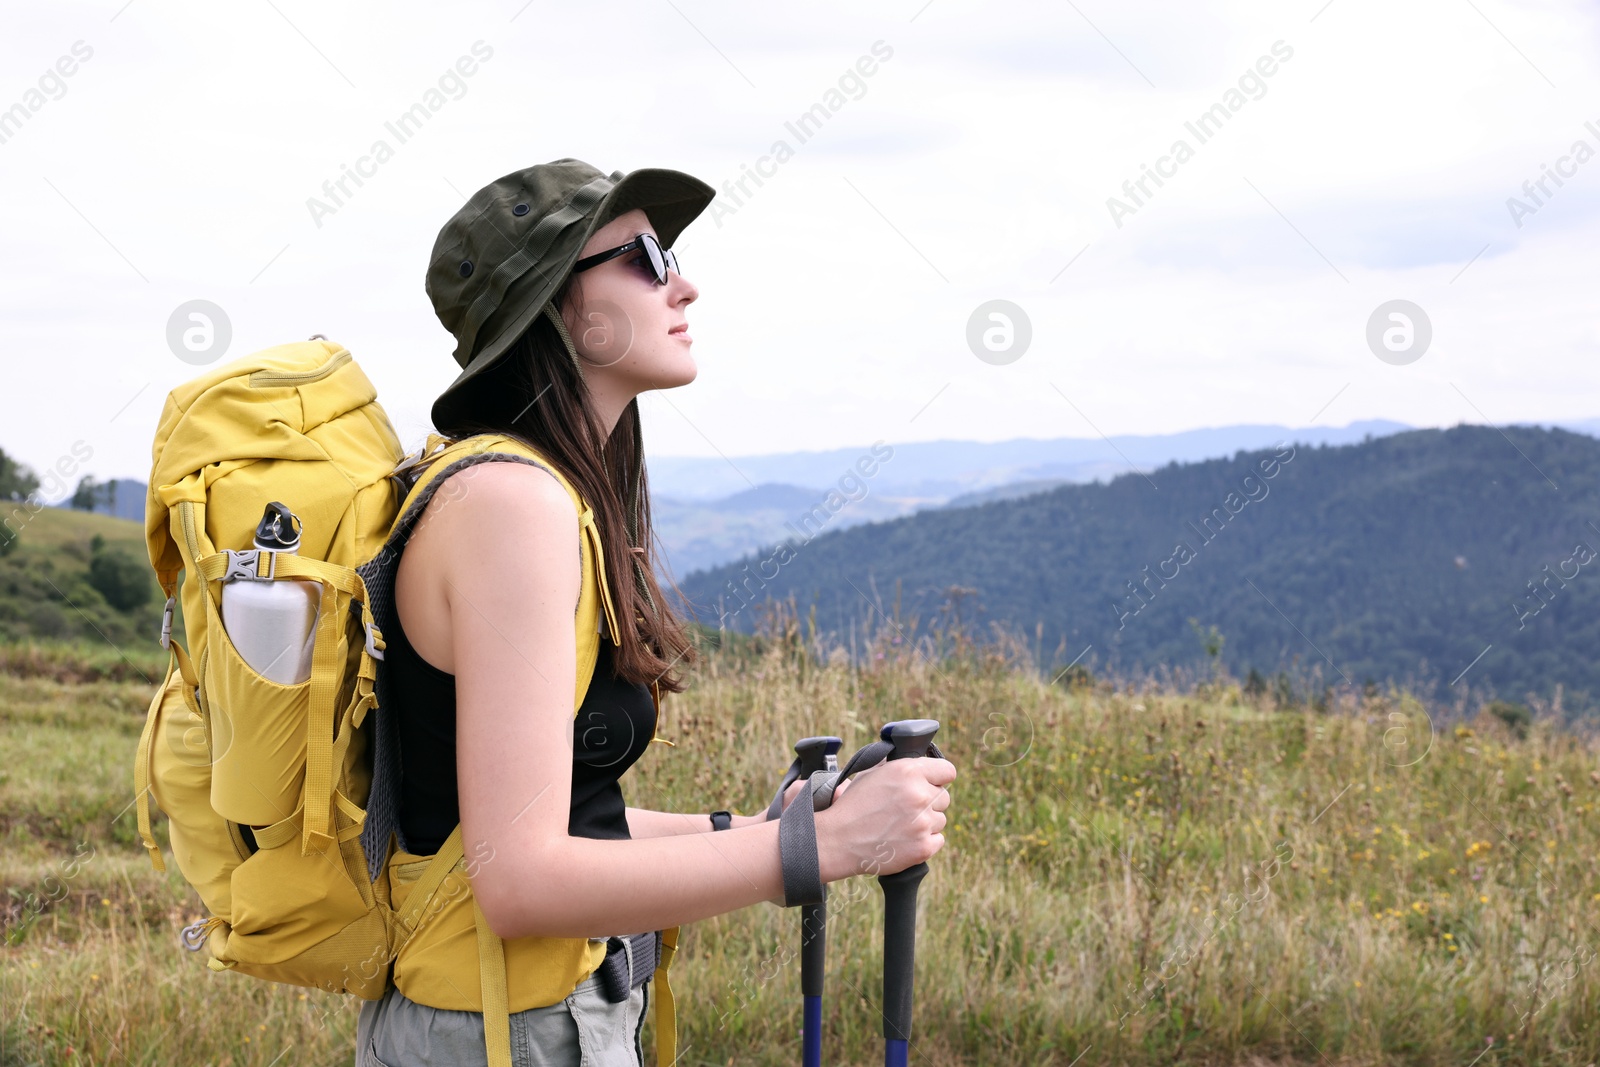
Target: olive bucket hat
499, 260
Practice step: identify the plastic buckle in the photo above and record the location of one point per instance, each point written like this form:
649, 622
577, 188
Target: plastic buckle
244, 564
372, 649
166, 622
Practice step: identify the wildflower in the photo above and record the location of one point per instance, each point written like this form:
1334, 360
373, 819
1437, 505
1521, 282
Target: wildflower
105, 900
1483, 900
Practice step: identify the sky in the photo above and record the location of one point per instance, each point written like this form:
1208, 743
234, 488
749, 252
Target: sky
1357, 154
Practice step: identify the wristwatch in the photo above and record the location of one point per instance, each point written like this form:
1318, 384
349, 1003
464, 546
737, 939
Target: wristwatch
721, 820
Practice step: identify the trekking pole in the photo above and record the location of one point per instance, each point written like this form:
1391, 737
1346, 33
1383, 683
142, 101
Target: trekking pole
911, 738
802, 884
815, 754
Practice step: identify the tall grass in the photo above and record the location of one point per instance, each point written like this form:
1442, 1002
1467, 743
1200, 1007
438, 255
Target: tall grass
1136, 872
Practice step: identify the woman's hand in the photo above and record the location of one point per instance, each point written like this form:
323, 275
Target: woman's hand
895, 821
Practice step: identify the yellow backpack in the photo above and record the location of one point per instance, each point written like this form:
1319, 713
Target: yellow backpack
303, 882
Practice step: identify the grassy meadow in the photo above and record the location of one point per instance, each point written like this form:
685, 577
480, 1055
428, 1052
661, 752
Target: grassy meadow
1135, 873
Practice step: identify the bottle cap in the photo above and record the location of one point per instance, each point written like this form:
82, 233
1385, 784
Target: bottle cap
279, 529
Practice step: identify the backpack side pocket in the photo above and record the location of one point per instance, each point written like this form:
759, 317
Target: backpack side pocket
257, 733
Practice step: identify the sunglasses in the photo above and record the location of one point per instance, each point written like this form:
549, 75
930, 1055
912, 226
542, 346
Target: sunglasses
661, 259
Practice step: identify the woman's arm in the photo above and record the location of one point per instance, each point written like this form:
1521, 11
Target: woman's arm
506, 546
642, 822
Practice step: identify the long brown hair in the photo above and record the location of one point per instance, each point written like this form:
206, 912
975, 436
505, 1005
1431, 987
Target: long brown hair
535, 395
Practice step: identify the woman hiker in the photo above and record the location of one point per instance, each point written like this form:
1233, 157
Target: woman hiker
566, 303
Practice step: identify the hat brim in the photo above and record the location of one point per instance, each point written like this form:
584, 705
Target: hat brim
671, 198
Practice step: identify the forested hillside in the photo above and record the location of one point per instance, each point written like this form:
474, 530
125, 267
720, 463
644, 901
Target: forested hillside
1407, 557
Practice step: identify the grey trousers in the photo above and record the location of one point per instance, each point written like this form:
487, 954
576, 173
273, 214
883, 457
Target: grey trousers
584, 1030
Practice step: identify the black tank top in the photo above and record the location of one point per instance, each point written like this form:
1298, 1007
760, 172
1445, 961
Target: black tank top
612, 729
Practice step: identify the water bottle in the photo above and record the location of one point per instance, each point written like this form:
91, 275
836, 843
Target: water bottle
273, 625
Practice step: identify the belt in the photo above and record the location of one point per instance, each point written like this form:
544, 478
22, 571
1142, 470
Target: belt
630, 961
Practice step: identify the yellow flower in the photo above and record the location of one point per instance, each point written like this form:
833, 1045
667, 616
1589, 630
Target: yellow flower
1358, 983
1452, 948
94, 978
1483, 900
105, 900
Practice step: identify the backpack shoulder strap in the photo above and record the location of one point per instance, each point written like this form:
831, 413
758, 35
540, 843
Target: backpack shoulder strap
490, 447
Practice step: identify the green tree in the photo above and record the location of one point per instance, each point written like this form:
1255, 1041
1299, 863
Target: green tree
90, 494
17, 480
121, 579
